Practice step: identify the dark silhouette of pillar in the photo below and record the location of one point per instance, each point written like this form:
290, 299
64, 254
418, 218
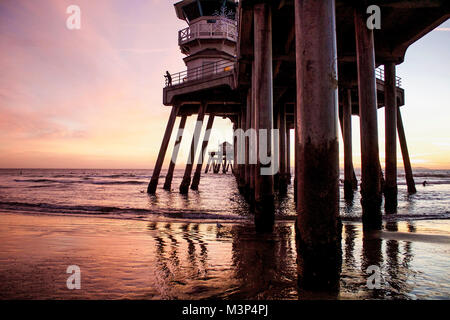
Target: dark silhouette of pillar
162, 151
288, 154
390, 108
248, 118
281, 119
184, 186
318, 226
264, 194
176, 148
347, 138
404, 147
201, 157
241, 152
370, 163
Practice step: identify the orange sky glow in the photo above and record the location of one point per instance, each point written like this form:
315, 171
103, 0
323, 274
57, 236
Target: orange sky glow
92, 98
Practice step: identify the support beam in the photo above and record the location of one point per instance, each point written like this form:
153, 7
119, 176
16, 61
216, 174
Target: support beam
390, 108
370, 163
404, 147
162, 151
318, 226
208, 164
281, 119
184, 186
347, 138
201, 157
288, 154
353, 179
241, 152
248, 117
176, 148
264, 193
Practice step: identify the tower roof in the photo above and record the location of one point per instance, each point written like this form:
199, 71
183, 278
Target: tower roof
192, 9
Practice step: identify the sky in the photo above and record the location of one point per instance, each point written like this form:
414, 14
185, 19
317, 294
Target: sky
92, 98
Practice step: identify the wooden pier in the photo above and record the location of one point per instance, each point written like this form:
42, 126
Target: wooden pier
305, 65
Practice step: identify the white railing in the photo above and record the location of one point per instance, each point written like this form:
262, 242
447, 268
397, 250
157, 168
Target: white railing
379, 74
199, 72
221, 29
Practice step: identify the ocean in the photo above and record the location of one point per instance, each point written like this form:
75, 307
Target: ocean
122, 194
131, 245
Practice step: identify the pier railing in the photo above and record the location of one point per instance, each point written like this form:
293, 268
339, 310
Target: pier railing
379, 74
221, 29
200, 72
222, 66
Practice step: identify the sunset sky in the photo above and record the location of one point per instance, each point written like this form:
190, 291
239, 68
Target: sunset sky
92, 98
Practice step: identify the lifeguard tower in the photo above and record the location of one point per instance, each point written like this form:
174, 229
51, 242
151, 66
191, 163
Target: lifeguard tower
207, 86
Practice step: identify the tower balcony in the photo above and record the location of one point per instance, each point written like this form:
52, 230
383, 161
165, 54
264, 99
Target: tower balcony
209, 28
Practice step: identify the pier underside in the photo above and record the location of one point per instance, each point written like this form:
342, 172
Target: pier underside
310, 65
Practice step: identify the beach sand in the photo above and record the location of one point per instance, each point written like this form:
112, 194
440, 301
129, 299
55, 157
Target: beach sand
129, 259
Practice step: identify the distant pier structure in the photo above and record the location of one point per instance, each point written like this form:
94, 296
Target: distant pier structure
222, 158
306, 65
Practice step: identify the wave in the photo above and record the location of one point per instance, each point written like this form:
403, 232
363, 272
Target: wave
108, 210
83, 181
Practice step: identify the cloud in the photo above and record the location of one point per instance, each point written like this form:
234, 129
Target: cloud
442, 29
144, 50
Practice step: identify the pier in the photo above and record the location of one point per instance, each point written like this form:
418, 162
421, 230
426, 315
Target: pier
307, 66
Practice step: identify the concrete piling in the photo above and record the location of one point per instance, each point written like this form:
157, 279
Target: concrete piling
176, 147
390, 108
184, 186
347, 138
318, 227
162, 151
404, 147
370, 164
201, 157
263, 90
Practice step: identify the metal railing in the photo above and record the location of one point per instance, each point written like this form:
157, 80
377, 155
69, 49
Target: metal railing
199, 72
379, 74
221, 29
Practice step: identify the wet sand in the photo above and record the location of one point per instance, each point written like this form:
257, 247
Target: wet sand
128, 259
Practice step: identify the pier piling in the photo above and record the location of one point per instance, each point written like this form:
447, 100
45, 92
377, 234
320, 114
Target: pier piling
201, 157
162, 151
347, 138
370, 163
264, 192
404, 147
390, 108
184, 186
318, 227
176, 148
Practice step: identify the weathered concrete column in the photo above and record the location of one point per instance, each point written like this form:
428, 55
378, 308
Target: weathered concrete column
242, 154
370, 163
264, 194
288, 154
208, 164
184, 186
253, 143
318, 226
404, 147
176, 148
162, 151
347, 138
390, 108
296, 144
281, 119
248, 116
201, 157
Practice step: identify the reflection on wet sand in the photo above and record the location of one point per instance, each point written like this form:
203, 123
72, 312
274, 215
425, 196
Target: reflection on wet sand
194, 263
122, 259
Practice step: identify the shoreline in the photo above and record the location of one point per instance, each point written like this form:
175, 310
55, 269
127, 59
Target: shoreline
138, 259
